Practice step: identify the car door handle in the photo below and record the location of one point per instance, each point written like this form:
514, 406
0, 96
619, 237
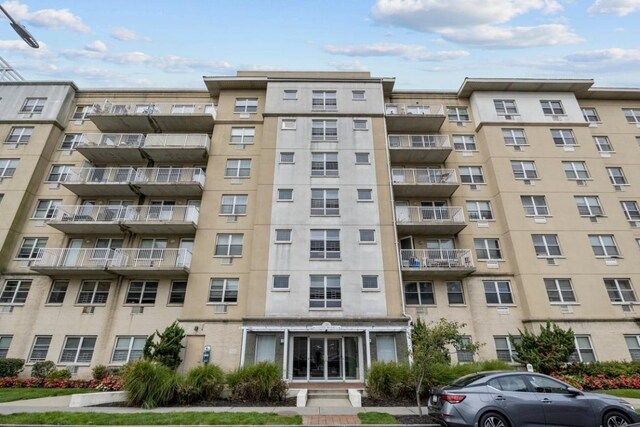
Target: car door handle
545, 400
500, 398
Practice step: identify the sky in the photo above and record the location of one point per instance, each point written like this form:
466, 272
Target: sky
424, 44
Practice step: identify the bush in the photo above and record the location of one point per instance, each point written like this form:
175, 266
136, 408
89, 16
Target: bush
608, 369
167, 349
42, 369
259, 382
100, 372
444, 374
62, 374
11, 367
16, 382
204, 383
150, 384
389, 381
110, 383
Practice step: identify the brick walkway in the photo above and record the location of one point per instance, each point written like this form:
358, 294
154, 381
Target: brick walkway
335, 420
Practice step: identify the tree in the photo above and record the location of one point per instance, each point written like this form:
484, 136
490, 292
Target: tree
548, 351
431, 346
167, 350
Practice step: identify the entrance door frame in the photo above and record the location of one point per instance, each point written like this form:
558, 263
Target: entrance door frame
326, 337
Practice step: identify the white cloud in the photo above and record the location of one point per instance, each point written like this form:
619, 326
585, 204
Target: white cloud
48, 18
512, 37
112, 57
617, 7
612, 60
126, 34
409, 52
178, 64
97, 46
348, 66
21, 47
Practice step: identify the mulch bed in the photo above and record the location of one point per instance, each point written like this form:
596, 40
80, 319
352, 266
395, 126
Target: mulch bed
367, 401
415, 419
219, 402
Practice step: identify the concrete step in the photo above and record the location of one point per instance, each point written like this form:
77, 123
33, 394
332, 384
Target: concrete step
328, 394
317, 402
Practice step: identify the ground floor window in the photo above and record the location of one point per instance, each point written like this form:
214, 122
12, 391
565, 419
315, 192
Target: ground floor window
385, 348
265, 348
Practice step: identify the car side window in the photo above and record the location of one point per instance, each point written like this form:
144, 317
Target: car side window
546, 385
510, 383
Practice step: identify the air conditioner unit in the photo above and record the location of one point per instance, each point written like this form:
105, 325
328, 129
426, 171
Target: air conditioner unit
473, 187
517, 148
239, 146
137, 310
421, 311
627, 308
593, 125
72, 368
556, 118
220, 308
552, 261
566, 309
508, 117
594, 218
618, 187
526, 182
6, 309
232, 218
88, 310
462, 124
502, 310
581, 182
226, 261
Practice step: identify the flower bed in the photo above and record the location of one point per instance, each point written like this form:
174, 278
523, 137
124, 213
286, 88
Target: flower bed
601, 381
109, 383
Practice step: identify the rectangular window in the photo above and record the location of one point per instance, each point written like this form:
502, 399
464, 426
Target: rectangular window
288, 124
58, 292
360, 124
419, 293
386, 348
325, 244
238, 168
463, 355
553, 108
497, 291
280, 282
367, 236
504, 349
324, 130
31, 247
365, 195
479, 210
243, 135
631, 211
265, 348
77, 349
546, 245
33, 105
633, 343
524, 169
93, 292
229, 245
535, 205
142, 292
616, 176
128, 348
8, 167
325, 291
246, 105
589, 206
362, 158
603, 245
224, 291
5, 343
40, 348
455, 293
575, 170
464, 142
559, 290
233, 204
290, 94
488, 249
505, 107
471, 175
19, 135
563, 137
632, 114
325, 202
584, 350
178, 292
287, 157
457, 114
358, 95
285, 194
602, 144
369, 282
324, 164
45, 208
514, 136
15, 291
59, 173
620, 290
324, 100
590, 115
283, 235
82, 112
70, 141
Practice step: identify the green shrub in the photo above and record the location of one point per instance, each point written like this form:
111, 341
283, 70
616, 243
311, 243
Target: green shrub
150, 384
11, 367
389, 381
41, 369
447, 374
55, 374
168, 347
204, 383
609, 369
100, 372
260, 382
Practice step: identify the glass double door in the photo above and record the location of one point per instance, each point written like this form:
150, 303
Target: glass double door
325, 358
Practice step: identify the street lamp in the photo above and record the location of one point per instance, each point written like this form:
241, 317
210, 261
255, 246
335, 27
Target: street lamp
22, 31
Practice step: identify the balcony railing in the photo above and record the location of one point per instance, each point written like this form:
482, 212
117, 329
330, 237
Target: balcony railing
124, 214
429, 215
424, 176
88, 213
141, 108
151, 258
72, 258
419, 141
161, 214
112, 259
122, 175
436, 259
177, 141
169, 175
413, 110
129, 140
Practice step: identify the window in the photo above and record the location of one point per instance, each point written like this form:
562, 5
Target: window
242, 135
46, 208
238, 168
325, 291
290, 94
359, 124
616, 175
504, 349
362, 158
464, 142
93, 292
633, 343
455, 293
59, 173
246, 105
603, 245
33, 105
281, 282
632, 114
283, 235
324, 164
19, 135
590, 115
224, 291
488, 249
70, 141
559, 290
233, 204
325, 244
631, 211
369, 282
325, 202
575, 170
535, 205
265, 348
229, 245
58, 292
524, 169
471, 175
288, 124
285, 194
385, 348
142, 292
457, 114
462, 354
367, 236
82, 112
620, 290
514, 137
15, 291
8, 167
584, 350
563, 137
77, 349
178, 292
324, 100
40, 349
128, 349
546, 245
31, 247
324, 130
479, 210
419, 293
552, 108
602, 144
497, 291
589, 206
365, 195
358, 95
287, 157
5, 343
505, 106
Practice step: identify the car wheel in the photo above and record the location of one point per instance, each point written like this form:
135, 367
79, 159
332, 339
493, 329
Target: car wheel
614, 419
493, 419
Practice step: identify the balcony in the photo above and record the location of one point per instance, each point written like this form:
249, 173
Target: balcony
94, 182
419, 148
73, 262
177, 147
112, 147
87, 219
443, 220
414, 117
173, 182
150, 219
153, 117
424, 182
443, 263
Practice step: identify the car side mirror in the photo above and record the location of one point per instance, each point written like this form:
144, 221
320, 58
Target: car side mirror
574, 391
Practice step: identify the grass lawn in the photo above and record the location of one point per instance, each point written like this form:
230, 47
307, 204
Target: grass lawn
148, 418
374, 418
11, 394
621, 392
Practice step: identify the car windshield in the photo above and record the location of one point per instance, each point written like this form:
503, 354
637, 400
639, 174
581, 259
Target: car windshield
467, 379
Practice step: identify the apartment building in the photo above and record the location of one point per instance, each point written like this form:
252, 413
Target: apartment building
307, 217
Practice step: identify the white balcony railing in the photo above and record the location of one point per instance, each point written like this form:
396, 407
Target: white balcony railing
169, 175
115, 214
429, 215
436, 259
413, 110
419, 141
92, 259
130, 140
101, 259
88, 213
189, 140
151, 258
424, 176
125, 175
142, 108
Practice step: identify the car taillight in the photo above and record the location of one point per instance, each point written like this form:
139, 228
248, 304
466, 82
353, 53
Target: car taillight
453, 398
